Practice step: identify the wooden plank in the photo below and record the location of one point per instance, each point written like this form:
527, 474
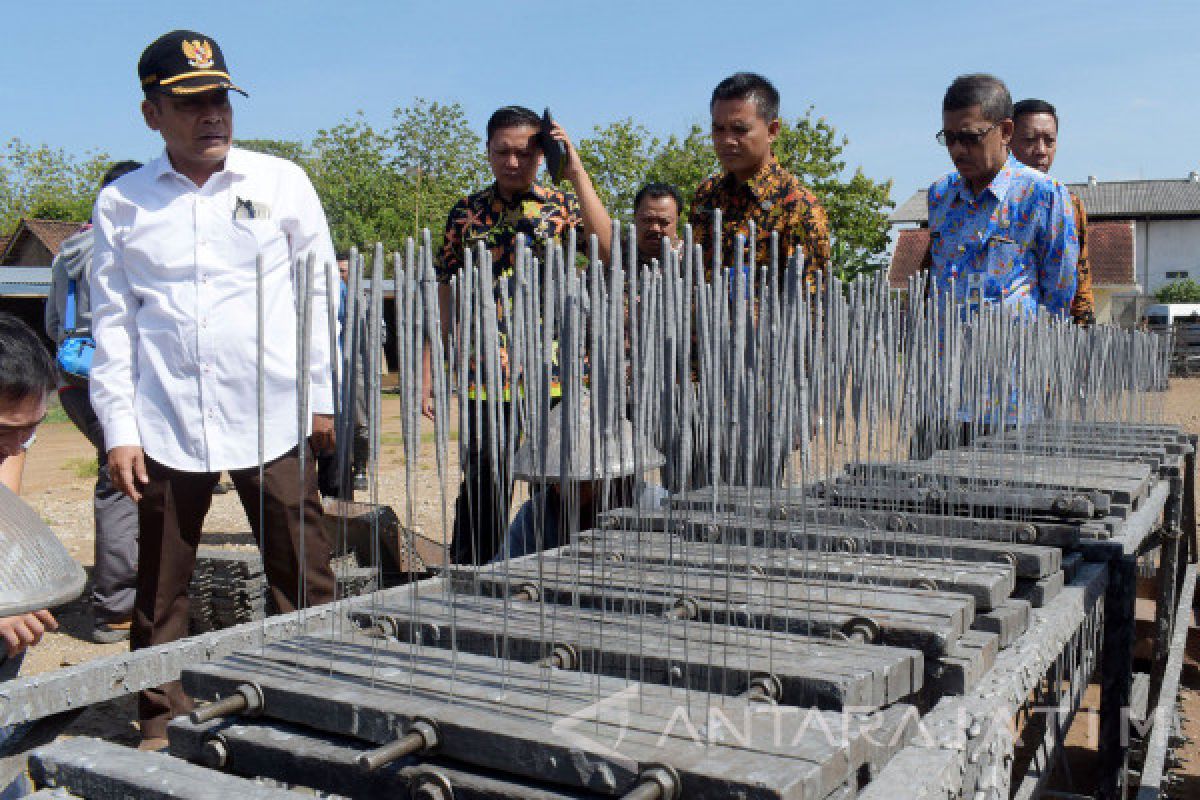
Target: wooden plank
925, 620
37, 696
811, 672
799, 504
1030, 531
1124, 483
962, 499
100, 770
1128, 438
1009, 621
1041, 591
987, 583
578, 730
1152, 456
957, 672
264, 748
1030, 560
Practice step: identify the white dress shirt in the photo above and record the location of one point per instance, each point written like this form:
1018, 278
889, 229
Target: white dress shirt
174, 310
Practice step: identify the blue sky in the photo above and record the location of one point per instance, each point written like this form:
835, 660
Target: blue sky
1123, 75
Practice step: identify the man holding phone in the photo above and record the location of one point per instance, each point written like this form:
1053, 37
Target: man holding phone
515, 203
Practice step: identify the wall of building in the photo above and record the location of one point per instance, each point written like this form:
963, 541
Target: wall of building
30, 252
1163, 246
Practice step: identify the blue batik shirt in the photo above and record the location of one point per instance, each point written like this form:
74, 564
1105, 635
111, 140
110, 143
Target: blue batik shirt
1015, 243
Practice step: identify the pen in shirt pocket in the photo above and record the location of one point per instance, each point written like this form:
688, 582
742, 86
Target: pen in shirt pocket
248, 209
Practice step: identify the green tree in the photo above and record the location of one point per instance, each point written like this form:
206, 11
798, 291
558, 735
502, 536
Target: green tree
42, 182
685, 161
387, 185
437, 159
811, 149
283, 148
352, 172
1181, 291
618, 159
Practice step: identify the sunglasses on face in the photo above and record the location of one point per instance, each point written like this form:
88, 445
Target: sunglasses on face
966, 138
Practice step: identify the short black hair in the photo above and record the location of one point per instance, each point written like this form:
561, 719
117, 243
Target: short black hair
1032, 105
118, 170
512, 117
26, 369
983, 90
658, 189
746, 86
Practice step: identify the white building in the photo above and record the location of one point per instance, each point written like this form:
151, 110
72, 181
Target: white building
1140, 236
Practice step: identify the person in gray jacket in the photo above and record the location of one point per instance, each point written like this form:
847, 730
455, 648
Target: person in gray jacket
115, 572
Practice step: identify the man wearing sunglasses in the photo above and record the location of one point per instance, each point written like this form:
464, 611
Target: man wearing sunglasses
1000, 231
1034, 144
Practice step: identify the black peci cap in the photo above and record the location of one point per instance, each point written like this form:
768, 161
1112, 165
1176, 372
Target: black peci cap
182, 63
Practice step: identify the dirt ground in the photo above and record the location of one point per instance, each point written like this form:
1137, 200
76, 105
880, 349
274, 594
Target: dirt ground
58, 484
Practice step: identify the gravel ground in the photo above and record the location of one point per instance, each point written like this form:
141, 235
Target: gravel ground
58, 484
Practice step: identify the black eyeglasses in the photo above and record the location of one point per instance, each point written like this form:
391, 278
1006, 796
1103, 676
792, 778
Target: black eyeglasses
968, 138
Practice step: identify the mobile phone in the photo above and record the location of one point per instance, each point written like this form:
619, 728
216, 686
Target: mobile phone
554, 150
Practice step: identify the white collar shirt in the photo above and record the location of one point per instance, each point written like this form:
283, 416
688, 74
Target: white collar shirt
174, 288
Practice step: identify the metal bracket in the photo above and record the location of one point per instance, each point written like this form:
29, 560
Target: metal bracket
247, 700
422, 737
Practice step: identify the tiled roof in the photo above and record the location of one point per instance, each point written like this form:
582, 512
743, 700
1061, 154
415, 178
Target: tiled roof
1110, 253
53, 232
1104, 199
906, 259
1139, 198
50, 232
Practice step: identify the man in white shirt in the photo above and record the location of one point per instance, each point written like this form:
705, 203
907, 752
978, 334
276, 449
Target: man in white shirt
174, 380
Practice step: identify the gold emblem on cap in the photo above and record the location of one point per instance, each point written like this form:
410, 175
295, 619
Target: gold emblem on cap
199, 53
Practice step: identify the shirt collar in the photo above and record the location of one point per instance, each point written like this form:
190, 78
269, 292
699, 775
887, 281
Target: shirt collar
998, 186
536, 192
755, 184
235, 165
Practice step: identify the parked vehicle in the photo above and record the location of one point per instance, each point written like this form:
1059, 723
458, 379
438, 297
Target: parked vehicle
1170, 313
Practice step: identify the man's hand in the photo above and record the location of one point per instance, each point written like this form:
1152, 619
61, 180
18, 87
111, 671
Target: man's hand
127, 468
25, 631
323, 440
595, 218
573, 169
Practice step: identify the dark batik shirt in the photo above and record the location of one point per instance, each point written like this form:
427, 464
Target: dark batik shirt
775, 201
1083, 307
540, 213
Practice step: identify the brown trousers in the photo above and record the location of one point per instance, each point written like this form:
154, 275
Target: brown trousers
170, 517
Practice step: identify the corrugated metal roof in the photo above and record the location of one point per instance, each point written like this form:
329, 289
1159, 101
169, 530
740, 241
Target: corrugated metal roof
1139, 198
25, 275
24, 281
1104, 199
